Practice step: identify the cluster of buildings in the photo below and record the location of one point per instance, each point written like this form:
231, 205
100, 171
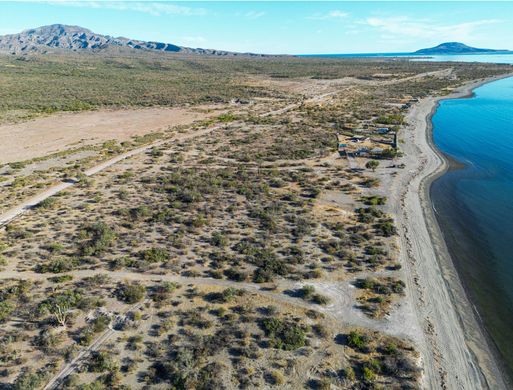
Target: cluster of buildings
364, 146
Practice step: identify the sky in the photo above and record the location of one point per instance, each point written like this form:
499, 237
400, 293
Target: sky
273, 27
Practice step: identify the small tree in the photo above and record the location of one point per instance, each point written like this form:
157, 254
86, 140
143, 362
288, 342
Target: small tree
372, 164
60, 311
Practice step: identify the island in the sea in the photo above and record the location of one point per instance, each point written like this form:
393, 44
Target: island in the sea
456, 48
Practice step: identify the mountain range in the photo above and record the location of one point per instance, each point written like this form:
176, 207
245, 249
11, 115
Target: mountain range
59, 37
456, 48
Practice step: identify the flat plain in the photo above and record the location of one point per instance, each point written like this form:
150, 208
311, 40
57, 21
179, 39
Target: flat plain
238, 248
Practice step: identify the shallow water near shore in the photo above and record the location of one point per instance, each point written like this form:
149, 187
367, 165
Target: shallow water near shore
496, 58
474, 204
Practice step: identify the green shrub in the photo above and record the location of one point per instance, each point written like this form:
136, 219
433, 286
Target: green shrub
357, 340
131, 293
283, 335
218, 239
6, 308
391, 349
30, 380
349, 374
18, 164
139, 213
86, 337
47, 203
60, 278
57, 266
320, 299
306, 292
47, 341
269, 264
156, 152
368, 375
154, 255
163, 291
100, 236
100, 361
387, 228
392, 119
374, 200
54, 247
100, 323
372, 164
227, 295
63, 301
236, 274
228, 117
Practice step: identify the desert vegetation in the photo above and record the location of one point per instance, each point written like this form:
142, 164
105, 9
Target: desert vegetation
241, 251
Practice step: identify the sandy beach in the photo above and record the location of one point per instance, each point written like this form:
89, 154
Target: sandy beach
454, 349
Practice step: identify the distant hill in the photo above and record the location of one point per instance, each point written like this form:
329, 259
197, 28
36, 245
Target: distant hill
58, 37
455, 48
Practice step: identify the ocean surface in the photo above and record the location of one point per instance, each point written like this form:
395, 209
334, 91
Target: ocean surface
474, 202
491, 58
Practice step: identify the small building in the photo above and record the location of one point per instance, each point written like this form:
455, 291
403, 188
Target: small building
342, 149
362, 152
358, 138
383, 130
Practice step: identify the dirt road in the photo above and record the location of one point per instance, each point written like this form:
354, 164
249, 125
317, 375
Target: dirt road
430, 316
26, 205
18, 210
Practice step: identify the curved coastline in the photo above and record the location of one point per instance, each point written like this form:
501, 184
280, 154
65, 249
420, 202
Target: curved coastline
477, 338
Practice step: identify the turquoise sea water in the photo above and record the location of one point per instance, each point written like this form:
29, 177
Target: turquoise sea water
491, 58
474, 204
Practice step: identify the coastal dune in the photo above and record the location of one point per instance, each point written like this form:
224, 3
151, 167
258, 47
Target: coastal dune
454, 349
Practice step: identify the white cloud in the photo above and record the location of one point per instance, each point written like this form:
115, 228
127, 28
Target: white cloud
254, 14
152, 8
405, 27
335, 14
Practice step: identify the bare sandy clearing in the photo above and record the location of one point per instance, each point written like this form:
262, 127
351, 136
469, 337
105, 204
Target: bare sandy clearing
39, 137
313, 87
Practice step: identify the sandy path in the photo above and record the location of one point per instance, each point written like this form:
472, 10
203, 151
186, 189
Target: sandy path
57, 132
42, 136
74, 364
454, 351
341, 308
26, 205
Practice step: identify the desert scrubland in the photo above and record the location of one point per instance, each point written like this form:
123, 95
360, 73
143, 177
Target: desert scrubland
230, 244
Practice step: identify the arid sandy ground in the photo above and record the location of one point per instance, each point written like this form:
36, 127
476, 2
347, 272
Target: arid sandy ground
342, 295
452, 352
41, 136
58, 132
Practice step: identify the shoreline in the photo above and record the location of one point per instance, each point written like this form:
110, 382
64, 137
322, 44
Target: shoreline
495, 365
457, 351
